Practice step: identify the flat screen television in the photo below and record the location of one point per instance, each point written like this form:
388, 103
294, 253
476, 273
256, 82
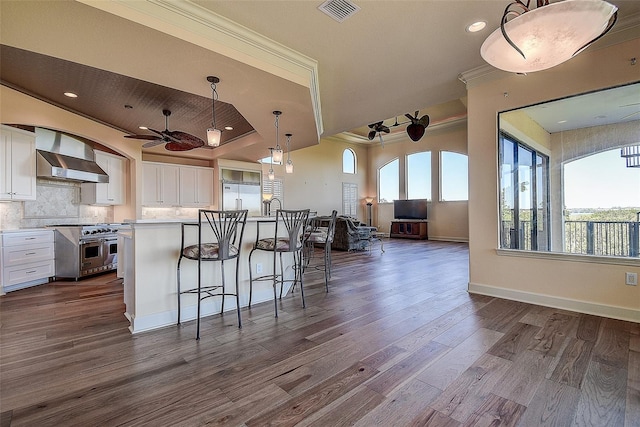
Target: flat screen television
410, 209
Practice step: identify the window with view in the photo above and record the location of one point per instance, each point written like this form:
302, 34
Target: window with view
348, 161
524, 190
389, 182
454, 176
419, 175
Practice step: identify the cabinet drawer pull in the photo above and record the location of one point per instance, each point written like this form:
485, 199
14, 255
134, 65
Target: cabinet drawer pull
30, 253
30, 238
32, 271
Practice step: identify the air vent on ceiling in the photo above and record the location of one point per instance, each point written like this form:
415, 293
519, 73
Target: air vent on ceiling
339, 9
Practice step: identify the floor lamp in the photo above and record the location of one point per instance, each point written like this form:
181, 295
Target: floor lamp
369, 201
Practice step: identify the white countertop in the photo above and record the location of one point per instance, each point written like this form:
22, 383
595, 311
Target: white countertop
22, 230
187, 220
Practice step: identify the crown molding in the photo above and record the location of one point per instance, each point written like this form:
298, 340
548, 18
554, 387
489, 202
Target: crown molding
195, 24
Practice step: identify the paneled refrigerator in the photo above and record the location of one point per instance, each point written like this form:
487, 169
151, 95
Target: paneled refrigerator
242, 196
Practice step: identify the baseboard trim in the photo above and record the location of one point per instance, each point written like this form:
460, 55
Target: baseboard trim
586, 307
450, 239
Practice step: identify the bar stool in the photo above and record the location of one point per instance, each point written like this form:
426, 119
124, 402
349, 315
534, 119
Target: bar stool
226, 228
321, 232
288, 238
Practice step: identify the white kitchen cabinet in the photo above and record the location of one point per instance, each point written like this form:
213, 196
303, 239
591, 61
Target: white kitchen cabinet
27, 259
196, 186
17, 164
160, 184
112, 192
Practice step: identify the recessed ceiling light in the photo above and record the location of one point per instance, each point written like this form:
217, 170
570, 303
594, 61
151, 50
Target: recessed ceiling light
143, 127
562, 121
228, 128
70, 94
476, 26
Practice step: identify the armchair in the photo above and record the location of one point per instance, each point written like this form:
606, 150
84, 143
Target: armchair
351, 235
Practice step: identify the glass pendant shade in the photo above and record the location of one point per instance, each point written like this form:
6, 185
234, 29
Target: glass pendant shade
277, 154
271, 175
213, 137
548, 35
289, 166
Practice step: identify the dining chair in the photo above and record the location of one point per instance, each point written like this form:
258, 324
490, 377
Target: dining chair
320, 232
288, 237
219, 239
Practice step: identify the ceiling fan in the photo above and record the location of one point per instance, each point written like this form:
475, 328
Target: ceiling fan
175, 140
378, 128
417, 127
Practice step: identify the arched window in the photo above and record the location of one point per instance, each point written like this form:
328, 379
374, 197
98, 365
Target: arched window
419, 175
454, 176
389, 182
349, 161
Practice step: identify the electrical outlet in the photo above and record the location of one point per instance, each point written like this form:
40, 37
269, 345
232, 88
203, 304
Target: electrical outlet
631, 279
258, 268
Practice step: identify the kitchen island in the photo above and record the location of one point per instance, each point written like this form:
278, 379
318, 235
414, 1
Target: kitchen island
149, 260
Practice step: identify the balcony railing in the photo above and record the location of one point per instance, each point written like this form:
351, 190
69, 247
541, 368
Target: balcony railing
609, 238
606, 238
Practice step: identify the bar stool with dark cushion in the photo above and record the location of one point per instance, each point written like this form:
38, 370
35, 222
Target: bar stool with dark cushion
288, 238
320, 232
219, 239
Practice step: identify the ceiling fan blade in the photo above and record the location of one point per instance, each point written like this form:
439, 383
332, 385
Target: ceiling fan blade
375, 125
150, 144
372, 134
424, 120
384, 129
410, 117
147, 137
416, 113
176, 146
157, 132
186, 139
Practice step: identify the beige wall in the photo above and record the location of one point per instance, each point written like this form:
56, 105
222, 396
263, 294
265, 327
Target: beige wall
316, 182
579, 283
447, 220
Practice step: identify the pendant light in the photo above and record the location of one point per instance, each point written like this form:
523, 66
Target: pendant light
271, 176
213, 134
531, 40
289, 165
277, 152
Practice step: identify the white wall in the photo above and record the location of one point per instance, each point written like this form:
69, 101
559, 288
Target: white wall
576, 283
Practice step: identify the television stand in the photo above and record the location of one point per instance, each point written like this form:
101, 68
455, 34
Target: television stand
409, 229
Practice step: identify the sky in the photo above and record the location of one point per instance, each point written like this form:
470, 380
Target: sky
601, 181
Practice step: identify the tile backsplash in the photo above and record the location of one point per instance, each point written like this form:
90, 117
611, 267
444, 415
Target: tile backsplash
57, 202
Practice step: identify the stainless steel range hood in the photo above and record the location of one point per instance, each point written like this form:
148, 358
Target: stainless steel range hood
63, 157
56, 165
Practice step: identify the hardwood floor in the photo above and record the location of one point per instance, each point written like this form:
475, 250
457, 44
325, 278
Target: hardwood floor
396, 342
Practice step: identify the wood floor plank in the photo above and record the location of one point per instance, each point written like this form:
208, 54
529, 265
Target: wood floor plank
551, 336
386, 382
445, 370
348, 411
402, 407
588, 327
295, 410
603, 396
515, 341
632, 408
496, 411
573, 363
553, 404
469, 391
612, 347
524, 376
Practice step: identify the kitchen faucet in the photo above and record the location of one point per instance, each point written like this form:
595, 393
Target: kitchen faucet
268, 205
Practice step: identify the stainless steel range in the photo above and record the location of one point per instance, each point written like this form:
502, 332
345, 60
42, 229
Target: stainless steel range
85, 250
